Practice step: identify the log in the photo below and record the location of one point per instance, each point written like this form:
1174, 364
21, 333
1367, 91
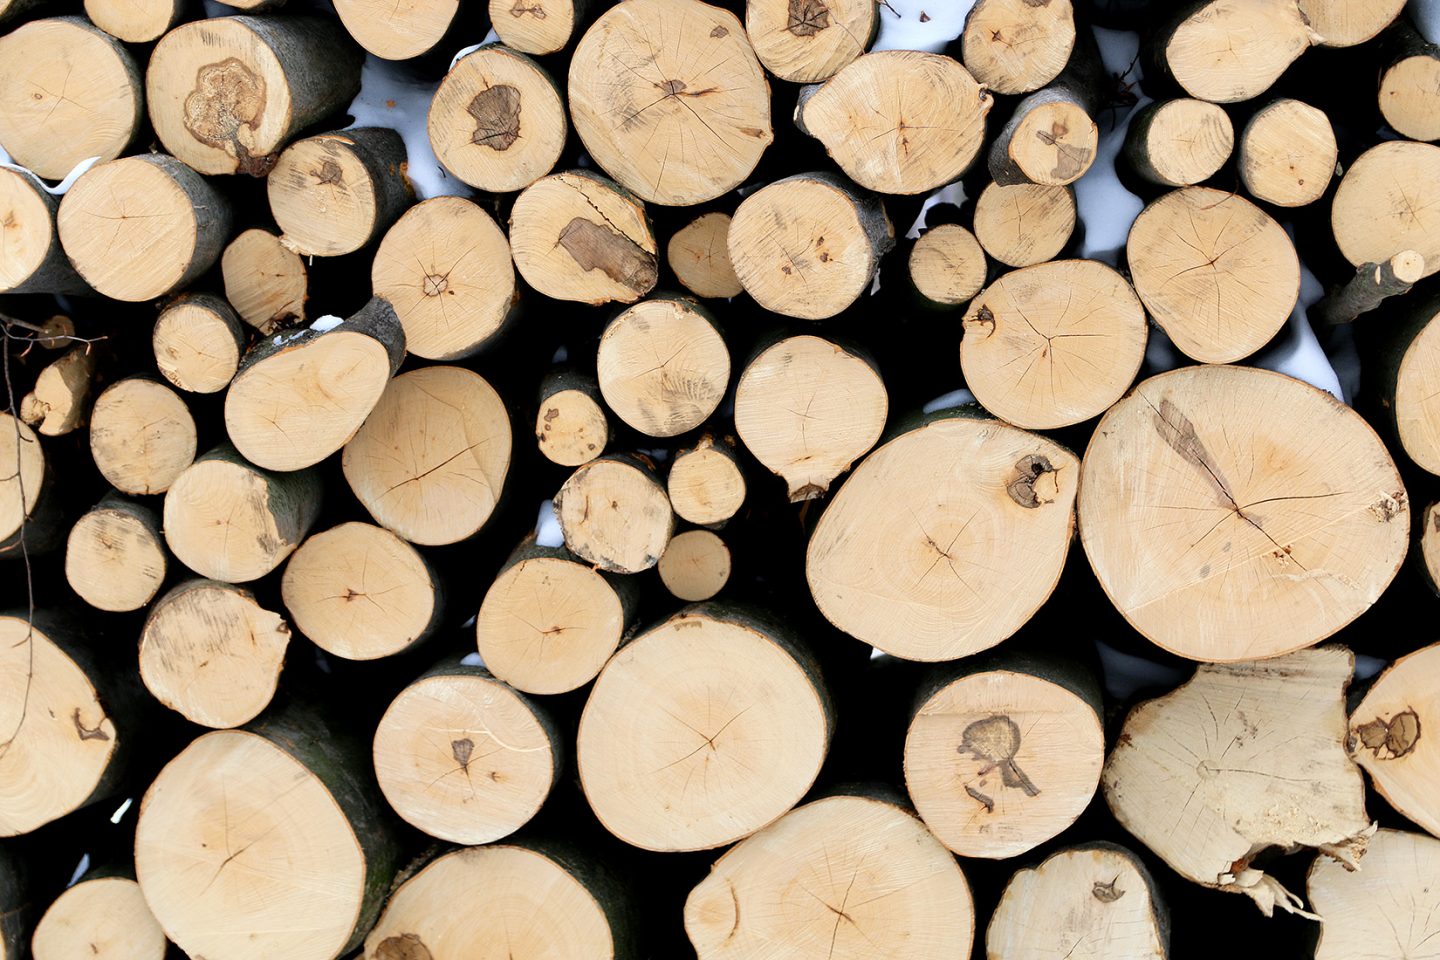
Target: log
1226, 51
69, 92
1241, 758
103, 916
115, 556
1054, 344
335, 193
1217, 274
1005, 753
1345, 23
1240, 559
1429, 545
142, 436
571, 427
700, 696
29, 517
489, 772
226, 94
1365, 911
1287, 153
549, 622
15, 908
1051, 138
360, 592
663, 366
1179, 142
874, 875
301, 396
534, 900
430, 462
946, 539
566, 253
947, 266
1406, 382
1017, 46
628, 535
706, 484
809, 245
445, 267
795, 41
498, 121
1388, 202
807, 409
1409, 93
136, 21
1101, 897
1370, 286
198, 342
143, 226
699, 256
281, 803
34, 261
887, 144
1388, 736
695, 565
61, 397
537, 27
669, 99
393, 32
263, 516
1025, 223
265, 281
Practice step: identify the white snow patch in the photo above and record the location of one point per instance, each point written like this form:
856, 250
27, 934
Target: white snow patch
327, 323
1295, 351
876, 653
658, 454
1126, 673
119, 813
390, 97
902, 26
1367, 667
1426, 14
952, 193
1103, 205
80, 869
955, 398
547, 527
561, 355
60, 188
1118, 52
472, 660
1160, 352
875, 282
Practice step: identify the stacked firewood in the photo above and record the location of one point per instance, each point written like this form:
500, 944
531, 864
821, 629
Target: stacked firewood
778, 479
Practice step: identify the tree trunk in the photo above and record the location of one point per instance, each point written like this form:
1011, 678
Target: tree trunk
61, 397
104, 916
142, 436
1409, 94
1024, 224
1226, 51
571, 427
1365, 911
996, 29
663, 366
699, 256
34, 261
1370, 286
615, 514
115, 557
1392, 736
265, 281
706, 484
1287, 153
198, 342
335, 193
947, 266
1389, 202
1176, 143
795, 41
695, 565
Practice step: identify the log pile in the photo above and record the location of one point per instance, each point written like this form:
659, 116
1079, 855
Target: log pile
614, 479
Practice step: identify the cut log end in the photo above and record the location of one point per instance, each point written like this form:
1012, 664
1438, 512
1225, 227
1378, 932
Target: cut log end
1288, 154
115, 557
1227, 52
334, 193
947, 265
699, 255
21, 484
1390, 908
142, 436
695, 565
397, 33
1055, 143
1389, 201
1016, 46
663, 366
571, 427
105, 918
808, 41
1025, 223
1392, 735
265, 282
198, 342
615, 514
1176, 143
536, 27
706, 485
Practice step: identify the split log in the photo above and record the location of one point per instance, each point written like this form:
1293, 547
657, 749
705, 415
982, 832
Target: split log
279, 804
699, 256
615, 514
947, 265
1388, 202
30, 521
872, 873
430, 462
1096, 896
1409, 376
103, 917
695, 565
1392, 736
702, 695
548, 622
1016, 46
143, 226
1226, 51
1214, 547
115, 557
577, 236
1052, 138
61, 397
399, 31
136, 21
537, 27
795, 41
1176, 143
65, 723
1054, 344
1217, 274
898, 121
335, 193
15, 908
498, 122
497, 759
809, 245
668, 97
1005, 753
68, 92
265, 281
706, 484
663, 365
570, 426
360, 592
529, 900
1364, 911
198, 342
226, 94
1409, 94
33, 260
1287, 153
445, 267
1370, 286
299, 397
261, 516
1239, 759
142, 436
1025, 223
807, 409
1345, 23
947, 538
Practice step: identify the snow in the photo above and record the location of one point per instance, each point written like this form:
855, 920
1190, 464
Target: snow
79, 870
326, 323
1367, 667
472, 659
952, 193
59, 189
1296, 352
1160, 352
120, 811
902, 26
561, 355
1102, 203
1426, 14
547, 527
1126, 673
393, 98
658, 454
955, 398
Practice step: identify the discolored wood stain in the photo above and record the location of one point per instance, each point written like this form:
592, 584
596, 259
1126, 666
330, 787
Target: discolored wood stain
497, 117
596, 247
227, 98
